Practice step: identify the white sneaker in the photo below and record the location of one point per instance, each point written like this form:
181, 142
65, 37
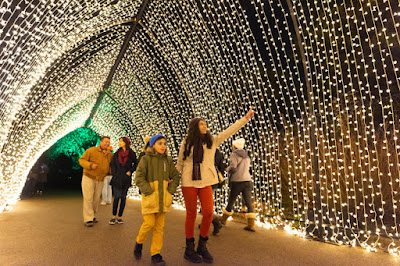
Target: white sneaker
103, 203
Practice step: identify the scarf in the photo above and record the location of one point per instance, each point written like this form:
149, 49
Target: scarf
198, 157
123, 156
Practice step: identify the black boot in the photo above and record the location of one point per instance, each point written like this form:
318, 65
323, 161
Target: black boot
190, 254
138, 251
217, 225
202, 250
157, 260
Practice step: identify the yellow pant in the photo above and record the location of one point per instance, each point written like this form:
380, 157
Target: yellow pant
156, 223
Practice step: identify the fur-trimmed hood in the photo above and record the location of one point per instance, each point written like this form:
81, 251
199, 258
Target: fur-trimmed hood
153, 177
150, 151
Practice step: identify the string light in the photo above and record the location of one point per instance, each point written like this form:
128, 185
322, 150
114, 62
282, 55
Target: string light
214, 60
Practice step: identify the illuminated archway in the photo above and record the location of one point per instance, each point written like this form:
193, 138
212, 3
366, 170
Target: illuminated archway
323, 76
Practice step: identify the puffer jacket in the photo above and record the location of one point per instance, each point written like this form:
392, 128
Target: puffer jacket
152, 176
239, 166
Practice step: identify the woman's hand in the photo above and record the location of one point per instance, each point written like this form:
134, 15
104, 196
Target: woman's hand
250, 113
128, 173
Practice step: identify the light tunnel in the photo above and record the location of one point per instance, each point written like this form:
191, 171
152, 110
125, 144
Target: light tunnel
322, 75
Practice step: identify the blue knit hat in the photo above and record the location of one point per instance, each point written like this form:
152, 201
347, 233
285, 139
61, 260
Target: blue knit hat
154, 138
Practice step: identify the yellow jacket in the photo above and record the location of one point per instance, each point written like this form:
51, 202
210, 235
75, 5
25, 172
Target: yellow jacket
95, 155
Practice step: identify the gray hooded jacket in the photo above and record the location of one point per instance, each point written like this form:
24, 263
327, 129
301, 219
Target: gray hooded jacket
239, 166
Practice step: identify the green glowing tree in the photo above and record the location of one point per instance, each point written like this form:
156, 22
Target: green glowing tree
73, 145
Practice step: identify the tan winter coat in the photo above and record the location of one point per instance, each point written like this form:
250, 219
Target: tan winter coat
208, 172
97, 156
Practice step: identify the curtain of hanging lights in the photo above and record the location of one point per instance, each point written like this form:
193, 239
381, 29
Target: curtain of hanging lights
313, 69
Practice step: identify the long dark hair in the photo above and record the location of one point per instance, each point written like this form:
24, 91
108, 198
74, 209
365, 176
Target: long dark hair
127, 145
192, 136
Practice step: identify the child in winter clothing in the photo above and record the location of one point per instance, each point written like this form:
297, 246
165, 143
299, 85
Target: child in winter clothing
146, 145
106, 194
157, 178
240, 183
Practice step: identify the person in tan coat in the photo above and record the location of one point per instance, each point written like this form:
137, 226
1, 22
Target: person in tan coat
96, 165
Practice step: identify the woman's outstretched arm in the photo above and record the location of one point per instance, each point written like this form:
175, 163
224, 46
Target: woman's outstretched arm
234, 128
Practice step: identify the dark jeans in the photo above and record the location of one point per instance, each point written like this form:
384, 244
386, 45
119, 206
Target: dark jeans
240, 187
119, 196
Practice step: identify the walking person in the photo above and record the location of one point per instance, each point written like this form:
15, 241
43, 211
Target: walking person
157, 178
42, 178
220, 167
123, 165
106, 194
196, 162
96, 165
146, 145
240, 181
30, 186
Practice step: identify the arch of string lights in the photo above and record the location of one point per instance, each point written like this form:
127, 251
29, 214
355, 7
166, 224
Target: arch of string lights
323, 76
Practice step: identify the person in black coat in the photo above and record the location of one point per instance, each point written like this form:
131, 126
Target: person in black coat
220, 166
123, 164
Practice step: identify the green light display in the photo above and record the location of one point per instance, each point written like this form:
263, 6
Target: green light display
72, 146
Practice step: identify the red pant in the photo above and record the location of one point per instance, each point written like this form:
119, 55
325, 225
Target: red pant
207, 209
